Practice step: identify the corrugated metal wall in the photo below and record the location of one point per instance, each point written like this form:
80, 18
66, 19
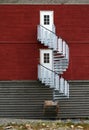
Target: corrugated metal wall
25, 99
77, 106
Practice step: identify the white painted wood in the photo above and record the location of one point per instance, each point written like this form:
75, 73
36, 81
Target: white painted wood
51, 19
67, 52
56, 82
50, 52
62, 84
60, 46
64, 48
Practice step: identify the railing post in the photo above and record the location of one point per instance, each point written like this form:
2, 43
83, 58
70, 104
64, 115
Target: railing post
60, 48
62, 85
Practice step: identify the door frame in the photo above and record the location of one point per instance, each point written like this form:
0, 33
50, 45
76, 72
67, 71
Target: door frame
51, 19
49, 63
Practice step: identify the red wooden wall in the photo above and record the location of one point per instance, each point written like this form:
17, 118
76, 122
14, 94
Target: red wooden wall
19, 48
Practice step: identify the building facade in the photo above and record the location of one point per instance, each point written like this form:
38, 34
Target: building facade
20, 56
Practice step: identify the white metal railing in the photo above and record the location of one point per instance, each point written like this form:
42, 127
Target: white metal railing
63, 49
46, 76
47, 37
50, 39
64, 90
61, 61
53, 80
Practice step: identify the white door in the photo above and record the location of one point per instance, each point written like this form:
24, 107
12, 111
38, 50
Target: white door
46, 19
46, 58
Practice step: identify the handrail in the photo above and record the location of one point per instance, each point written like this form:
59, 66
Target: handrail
47, 29
48, 69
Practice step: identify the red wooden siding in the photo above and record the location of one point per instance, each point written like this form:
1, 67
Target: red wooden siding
18, 61
79, 62
19, 48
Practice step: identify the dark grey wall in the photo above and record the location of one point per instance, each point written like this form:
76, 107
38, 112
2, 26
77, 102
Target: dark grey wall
25, 99
77, 106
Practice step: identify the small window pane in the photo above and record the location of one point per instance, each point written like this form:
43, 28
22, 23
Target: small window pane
46, 19
44, 16
46, 57
48, 16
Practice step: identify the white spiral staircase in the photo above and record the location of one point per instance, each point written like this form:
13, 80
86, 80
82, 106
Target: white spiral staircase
53, 78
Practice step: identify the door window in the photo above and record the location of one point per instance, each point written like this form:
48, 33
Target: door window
46, 57
46, 19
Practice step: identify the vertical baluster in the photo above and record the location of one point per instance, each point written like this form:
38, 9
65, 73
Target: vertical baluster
56, 82
67, 56
42, 74
46, 77
55, 41
52, 40
60, 47
42, 35
62, 85
48, 39
45, 38
67, 50
66, 88
50, 78
64, 48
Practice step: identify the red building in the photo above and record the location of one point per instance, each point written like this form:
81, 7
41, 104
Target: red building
20, 55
